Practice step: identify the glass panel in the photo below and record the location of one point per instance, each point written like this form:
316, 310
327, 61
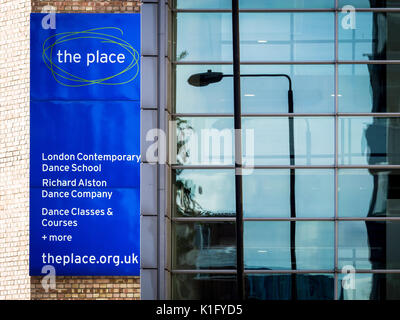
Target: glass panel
198, 245
369, 141
369, 244
203, 4
214, 98
204, 193
360, 286
286, 36
204, 37
282, 286
369, 193
201, 286
266, 193
313, 89
370, 3
369, 36
267, 245
369, 88
204, 141
313, 140
287, 4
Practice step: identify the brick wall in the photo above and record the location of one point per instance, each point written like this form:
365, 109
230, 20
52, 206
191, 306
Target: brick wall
14, 148
15, 282
110, 288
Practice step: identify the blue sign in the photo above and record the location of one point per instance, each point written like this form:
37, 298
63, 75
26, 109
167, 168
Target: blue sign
85, 144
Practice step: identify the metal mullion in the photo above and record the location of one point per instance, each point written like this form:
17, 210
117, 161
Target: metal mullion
336, 100
290, 271
212, 271
294, 115
203, 219
381, 219
217, 167
286, 62
283, 10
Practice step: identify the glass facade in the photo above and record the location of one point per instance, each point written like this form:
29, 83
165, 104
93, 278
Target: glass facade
321, 198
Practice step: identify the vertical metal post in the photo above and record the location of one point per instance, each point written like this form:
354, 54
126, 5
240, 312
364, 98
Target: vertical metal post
238, 148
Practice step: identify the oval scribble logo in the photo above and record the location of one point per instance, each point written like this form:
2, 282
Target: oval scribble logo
117, 61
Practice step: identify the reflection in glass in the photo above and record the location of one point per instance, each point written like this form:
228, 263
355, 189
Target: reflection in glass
287, 4
203, 4
286, 36
267, 245
198, 245
204, 37
214, 98
374, 37
313, 89
280, 286
371, 3
203, 286
368, 286
204, 141
369, 140
266, 193
313, 140
204, 193
369, 88
369, 244
369, 193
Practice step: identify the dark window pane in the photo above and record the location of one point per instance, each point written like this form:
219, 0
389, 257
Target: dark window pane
370, 3
373, 36
287, 36
369, 244
204, 37
367, 286
204, 287
214, 98
287, 4
266, 193
198, 245
313, 89
369, 88
282, 286
369, 193
267, 245
204, 193
369, 141
204, 141
313, 143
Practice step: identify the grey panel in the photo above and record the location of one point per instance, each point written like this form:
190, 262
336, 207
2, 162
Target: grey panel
148, 284
148, 189
149, 29
149, 82
148, 241
148, 122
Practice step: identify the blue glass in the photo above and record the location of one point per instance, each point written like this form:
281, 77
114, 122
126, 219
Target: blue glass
214, 98
313, 140
281, 286
369, 141
204, 141
204, 192
287, 4
369, 193
267, 245
369, 88
369, 286
203, 37
369, 244
369, 36
266, 193
313, 89
287, 36
370, 4
203, 4
204, 286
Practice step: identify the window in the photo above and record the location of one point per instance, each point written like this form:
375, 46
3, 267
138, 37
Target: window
323, 196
